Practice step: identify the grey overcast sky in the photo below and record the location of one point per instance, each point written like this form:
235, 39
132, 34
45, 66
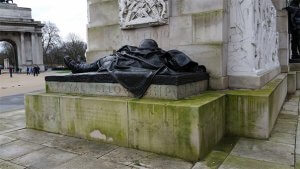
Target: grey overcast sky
70, 16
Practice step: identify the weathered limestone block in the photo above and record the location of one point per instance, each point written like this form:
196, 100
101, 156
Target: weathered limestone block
199, 6
103, 13
218, 83
252, 113
292, 82
187, 129
253, 39
111, 37
282, 21
208, 55
91, 118
208, 28
184, 25
284, 40
284, 60
104, 38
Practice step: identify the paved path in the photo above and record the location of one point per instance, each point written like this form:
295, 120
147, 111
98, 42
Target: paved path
10, 103
26, 148
21, 83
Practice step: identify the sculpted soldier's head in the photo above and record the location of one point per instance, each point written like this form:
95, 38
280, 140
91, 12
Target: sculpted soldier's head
148, 44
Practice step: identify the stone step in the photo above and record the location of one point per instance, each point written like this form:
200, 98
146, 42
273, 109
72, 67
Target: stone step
103, 84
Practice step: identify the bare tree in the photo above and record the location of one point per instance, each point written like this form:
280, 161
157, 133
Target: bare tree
50, 40
75, 47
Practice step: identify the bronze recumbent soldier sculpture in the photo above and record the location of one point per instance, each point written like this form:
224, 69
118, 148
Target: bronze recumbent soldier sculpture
135, 67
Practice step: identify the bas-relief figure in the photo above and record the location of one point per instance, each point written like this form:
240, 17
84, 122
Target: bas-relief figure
140, 13
135, 67
294, 27
253, 38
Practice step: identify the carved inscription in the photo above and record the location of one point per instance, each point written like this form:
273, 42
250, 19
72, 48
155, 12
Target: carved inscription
142, 13
115, 89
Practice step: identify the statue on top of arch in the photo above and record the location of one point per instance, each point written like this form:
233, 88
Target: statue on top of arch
6, 1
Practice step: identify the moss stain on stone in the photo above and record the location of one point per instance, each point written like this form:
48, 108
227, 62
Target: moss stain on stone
37, 107
47, 88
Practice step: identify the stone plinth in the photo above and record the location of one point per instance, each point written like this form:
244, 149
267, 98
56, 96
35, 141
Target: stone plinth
187, 128
252, 113
102, 84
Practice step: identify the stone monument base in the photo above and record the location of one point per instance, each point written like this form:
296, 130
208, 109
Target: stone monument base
187, 128
102, 84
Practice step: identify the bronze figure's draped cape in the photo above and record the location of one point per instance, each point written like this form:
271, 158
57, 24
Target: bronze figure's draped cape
135, 67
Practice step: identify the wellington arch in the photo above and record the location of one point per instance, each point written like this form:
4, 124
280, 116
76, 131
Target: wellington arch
25, 35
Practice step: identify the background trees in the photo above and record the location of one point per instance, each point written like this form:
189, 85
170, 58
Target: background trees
75, 47
50, 41
55, 48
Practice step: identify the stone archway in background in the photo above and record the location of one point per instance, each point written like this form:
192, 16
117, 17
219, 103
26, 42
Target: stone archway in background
18, 28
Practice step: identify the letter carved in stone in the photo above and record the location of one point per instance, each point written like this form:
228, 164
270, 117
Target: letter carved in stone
143, 13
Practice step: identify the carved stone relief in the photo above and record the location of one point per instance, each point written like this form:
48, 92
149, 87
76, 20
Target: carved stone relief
253, 38
142, 13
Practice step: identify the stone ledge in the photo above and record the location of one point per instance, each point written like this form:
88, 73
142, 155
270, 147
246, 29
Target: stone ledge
252, 113
105, 77
114, 89
103, 84
187, 129
252, 82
